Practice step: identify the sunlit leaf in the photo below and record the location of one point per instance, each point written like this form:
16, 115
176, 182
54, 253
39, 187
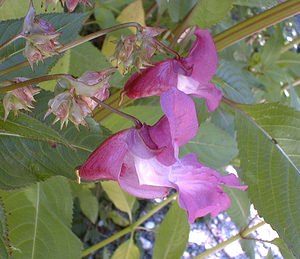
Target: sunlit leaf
122, 200
127, 250
39, 221
172, 235
269, 154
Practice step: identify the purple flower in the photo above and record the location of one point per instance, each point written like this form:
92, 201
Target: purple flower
144, 161
190, 75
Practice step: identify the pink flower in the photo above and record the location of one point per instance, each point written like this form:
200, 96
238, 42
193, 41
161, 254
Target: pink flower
190, 75
144, 161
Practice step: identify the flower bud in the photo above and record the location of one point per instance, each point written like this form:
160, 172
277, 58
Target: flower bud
41, 37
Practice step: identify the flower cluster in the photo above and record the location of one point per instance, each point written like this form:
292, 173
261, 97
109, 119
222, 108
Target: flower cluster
21, 98
145, 160
41, 37
136, 50
75, 102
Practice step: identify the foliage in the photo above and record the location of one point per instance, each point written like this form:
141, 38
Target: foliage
45, 213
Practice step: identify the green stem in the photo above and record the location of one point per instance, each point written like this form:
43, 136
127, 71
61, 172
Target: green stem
11, 40
257, 23
77, 42
33, 81
130, 228
222, 245
290, 45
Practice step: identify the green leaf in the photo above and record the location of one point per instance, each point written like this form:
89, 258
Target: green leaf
235, 81
284, 250
213, 146
27, 157
13, 9
88, 201
178, 9
240, 207
270, 158
4, 242
172, 236
209, 12
39, 221
127, 250
68, 24
122, 200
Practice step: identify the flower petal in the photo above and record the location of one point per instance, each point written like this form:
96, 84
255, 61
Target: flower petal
106, 161
130, 182
208, 91
203, 56
181, 113
153, 80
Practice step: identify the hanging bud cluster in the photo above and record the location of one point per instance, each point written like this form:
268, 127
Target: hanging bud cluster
41, 37
70, 4
75, 102
135, 51
21, 98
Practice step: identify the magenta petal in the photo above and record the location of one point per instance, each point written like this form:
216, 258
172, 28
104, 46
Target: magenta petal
130, 182
106, 161
160, 134
152, 81
181, 113
200, 193
203, 56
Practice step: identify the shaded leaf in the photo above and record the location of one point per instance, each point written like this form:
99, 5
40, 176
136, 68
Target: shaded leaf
122, 200
213, 146
127, 250
27, 158
88, 202
284, 250
235, 81
30, 213
178, 9
269, 154
172, 236
68, 24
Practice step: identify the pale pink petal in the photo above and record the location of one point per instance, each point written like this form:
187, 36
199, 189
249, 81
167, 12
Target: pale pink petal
129, 181
107, 160
208, 91
181, 113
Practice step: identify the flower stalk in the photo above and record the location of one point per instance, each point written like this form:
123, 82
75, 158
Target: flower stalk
138, 124
130, 228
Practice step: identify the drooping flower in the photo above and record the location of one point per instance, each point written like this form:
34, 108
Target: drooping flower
191, 74
71, 4
136, 50
20, 98
75, 102
41, 37
144, 161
